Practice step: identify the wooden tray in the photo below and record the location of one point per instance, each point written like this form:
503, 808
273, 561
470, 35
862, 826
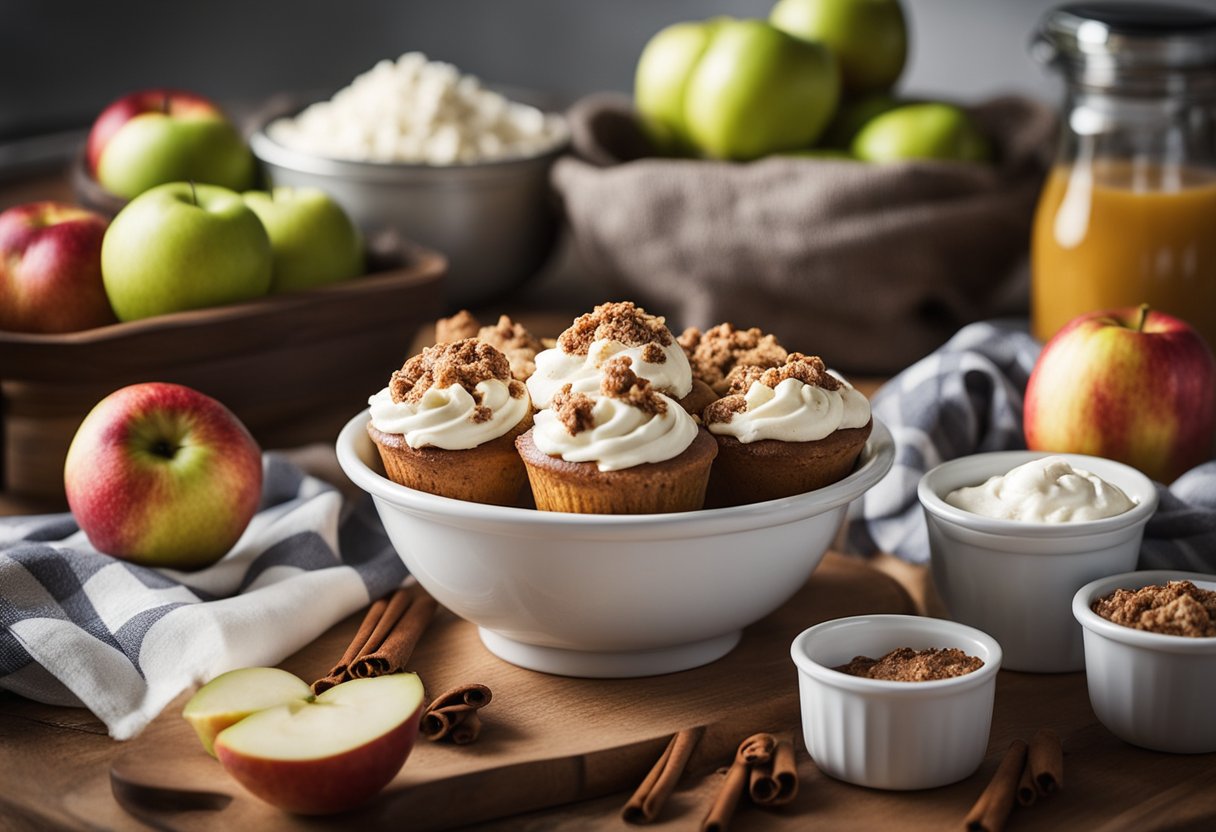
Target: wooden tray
547, 740
293, 367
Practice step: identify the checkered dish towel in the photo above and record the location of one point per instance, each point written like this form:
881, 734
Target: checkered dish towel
966, 398
83, 628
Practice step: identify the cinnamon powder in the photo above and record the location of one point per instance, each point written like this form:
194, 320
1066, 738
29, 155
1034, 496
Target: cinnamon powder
1179, 608
904, 664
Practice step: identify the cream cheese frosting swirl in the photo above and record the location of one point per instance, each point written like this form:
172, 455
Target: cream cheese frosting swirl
622, 436
555, 368
1047, 490
450, 417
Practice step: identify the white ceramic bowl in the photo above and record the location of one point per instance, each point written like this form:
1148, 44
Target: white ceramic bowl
1016, 580
603, 595
894, 735
1152, 690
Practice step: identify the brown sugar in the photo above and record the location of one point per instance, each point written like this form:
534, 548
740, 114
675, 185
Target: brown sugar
1179, 608
904, 664
718, 350
807, 369
465, 363
574, 410
625, 322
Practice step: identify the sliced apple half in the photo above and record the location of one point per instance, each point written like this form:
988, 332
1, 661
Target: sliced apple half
232, 696
331, 753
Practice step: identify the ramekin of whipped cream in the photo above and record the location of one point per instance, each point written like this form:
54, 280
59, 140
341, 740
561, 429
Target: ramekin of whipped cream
1014, 535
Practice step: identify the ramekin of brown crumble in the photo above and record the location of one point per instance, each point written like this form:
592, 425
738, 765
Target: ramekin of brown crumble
1150, 657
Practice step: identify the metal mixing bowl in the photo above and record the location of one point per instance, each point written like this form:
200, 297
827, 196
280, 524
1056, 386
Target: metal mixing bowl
496, 221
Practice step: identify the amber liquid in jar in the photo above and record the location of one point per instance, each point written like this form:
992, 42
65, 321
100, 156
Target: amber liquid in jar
1115, 233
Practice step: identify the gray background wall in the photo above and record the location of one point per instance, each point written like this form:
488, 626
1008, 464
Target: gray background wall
61, 61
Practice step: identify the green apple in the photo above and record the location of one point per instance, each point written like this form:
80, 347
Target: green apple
868, 37
232, 696
156, 136
312, 240
163, 475
182, 246
855, 113
734, 89
921, 131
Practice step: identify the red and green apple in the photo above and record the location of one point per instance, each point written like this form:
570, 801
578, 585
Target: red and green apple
312, 240
1135, 385
163, 475
50, 269
156, 136
184, 246
329, 754
232, 696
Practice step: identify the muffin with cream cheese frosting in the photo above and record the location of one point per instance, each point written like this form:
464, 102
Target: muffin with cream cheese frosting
624, 449
785, 430
608, 331
714, 353
447, 423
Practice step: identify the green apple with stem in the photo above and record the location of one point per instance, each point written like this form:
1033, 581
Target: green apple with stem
184, 246
156, 136
929, 130
868, 37
312, 240
232, 696
163, 475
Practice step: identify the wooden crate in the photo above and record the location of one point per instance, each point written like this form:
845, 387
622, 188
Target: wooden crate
293, 367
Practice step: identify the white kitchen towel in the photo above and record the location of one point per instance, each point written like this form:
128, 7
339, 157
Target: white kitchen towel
83, 628
966, 398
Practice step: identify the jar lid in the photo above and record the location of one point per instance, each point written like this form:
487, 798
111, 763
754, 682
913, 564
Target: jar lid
1112, 44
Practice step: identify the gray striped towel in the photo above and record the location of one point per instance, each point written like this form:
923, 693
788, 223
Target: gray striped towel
83, 628
966, 398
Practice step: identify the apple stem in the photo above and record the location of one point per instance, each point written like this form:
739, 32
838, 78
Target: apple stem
193, 193
1144, 309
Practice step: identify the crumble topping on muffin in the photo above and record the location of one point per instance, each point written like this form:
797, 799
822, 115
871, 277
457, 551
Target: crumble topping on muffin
574, 410
456, 328
464, 363
1179, 608
806, 369
624, 322
718, 350
507, 336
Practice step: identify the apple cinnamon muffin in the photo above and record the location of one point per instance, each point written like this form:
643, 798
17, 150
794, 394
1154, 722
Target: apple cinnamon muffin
608, 331
447, 422
785, 430
626, 449
509, 337
719, 349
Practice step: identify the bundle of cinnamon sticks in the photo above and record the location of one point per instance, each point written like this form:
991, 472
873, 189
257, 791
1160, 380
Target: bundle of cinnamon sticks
1026, 773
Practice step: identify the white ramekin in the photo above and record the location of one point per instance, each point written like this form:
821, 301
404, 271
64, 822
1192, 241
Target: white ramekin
894, 735
1016, 580
1152, 690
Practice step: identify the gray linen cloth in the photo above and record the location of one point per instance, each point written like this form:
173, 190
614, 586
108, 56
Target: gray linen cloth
966, 398
870, 266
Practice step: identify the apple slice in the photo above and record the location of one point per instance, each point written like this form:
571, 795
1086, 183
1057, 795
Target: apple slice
232, 696
328, 754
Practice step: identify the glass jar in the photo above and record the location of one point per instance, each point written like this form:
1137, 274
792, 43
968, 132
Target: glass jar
1128, 213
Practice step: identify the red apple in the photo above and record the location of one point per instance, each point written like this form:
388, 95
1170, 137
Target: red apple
50, 269
162, 475
156, 136
232, 696
330, 754
1133, 384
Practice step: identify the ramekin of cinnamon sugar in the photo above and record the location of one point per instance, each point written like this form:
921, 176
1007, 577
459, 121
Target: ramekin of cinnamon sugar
1150, 657
896, 701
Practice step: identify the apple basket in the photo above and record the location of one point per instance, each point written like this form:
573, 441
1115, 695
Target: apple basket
293, 366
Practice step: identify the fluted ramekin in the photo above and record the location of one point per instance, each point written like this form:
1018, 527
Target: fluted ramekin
894, 735
1152, 690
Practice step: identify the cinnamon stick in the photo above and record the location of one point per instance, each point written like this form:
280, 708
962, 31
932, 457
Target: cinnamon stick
993, 807
648, 801
453, 714
399, 642
1045, 761
1027, 792
775, 783
371, 622
757, 748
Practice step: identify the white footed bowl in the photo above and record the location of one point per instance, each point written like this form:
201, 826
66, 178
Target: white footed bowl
1153, 690
1015, 580
894, 735
604, 595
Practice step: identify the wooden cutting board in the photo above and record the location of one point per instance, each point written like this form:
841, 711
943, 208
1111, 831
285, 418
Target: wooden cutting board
547, 740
